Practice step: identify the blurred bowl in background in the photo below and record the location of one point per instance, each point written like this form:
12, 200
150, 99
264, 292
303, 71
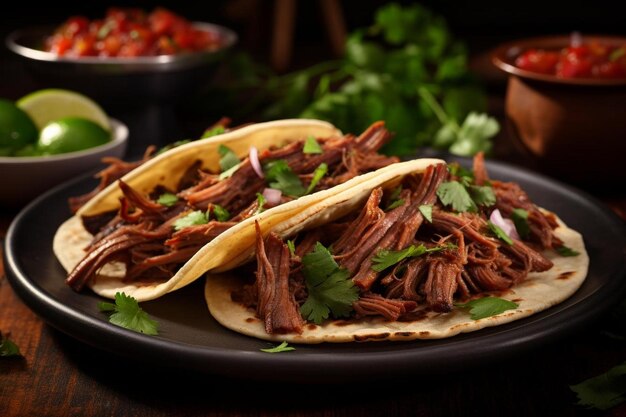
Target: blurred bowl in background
575, 128
24, 178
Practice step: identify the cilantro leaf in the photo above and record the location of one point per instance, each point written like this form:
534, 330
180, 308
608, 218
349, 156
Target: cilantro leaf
487, 307
172, 146
500, 234
520, 220
427, 211
395, 193
210, 132
128, 314
458, 170
474, 134
386, 258
454, 194
167, 199
311, 146
565, 251
395, 204
261, 200
191, 219
283, 347
318, 174
482, 195
292, 247
603, 391
228, 158
229, 172
330, 289
8, 348
281, 177
221, 214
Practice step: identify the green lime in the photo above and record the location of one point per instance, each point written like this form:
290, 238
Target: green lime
71, 134
45, 106
16, 128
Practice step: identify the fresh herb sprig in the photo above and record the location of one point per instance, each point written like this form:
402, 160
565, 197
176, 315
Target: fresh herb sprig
386, 258
126, 313
481, 308
283, 347
7, 347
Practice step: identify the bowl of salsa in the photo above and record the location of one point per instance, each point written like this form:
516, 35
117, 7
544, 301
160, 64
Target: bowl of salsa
565, 103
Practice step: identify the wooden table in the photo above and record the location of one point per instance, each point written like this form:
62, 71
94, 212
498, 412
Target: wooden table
60, 376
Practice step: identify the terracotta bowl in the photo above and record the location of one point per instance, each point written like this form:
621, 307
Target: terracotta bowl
575, 128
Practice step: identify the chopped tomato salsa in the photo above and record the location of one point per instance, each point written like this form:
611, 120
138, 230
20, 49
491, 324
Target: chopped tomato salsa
586, 60
130, 33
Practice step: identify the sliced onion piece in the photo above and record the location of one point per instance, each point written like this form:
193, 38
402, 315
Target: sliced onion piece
254, 161
272, 196
506, 225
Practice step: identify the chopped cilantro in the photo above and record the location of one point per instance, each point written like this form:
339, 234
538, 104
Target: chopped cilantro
565, 251
386, 258
458, 170
128, 314
603, 391
311, 146
172, 146
487, 307
395, 204
395, 193
330, 289
229, 172
454, 194
260, 200
318, 174
482, 195
220, 213
281, 177
191, 219
427, 212
7, 347
520, 220
167, 199
283, 347
292, 247
228, 158
500, 234
217, 130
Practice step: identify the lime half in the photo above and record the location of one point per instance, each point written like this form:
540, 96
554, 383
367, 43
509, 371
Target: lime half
71, 134
45, 106
16, 128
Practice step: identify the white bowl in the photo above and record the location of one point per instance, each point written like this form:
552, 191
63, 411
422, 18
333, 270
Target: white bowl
23, 178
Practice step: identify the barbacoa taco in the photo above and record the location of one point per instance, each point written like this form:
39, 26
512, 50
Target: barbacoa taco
147, 234
424, 251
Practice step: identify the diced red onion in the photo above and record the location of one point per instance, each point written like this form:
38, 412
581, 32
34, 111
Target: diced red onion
506, 225
254, 161
272, 196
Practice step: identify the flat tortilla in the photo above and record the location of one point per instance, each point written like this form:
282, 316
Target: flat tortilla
538, 292
236, 245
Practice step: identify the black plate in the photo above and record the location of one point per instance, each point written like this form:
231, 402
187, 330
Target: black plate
191, 339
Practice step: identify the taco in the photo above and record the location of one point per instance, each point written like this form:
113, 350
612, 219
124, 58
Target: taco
147, 233
420, 248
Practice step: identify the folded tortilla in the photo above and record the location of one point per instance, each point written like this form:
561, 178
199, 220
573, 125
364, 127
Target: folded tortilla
538, 292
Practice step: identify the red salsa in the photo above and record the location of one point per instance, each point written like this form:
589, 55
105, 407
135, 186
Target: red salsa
586, 60
130, 33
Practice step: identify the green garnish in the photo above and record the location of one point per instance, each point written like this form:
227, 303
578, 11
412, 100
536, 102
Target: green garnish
126, 313
603, 391
172, 146
292, 247
454, 194
487, 307
220, 213
167, 199
229, 173
261, 200
283, 347
194, 218
520, 220
228, 158
311, 146
217, 130
386, 258
395, 193
330, 289
565, 251
281, 177
319, 172
7, 347
395, 204
482, 195
500, 234
427, 211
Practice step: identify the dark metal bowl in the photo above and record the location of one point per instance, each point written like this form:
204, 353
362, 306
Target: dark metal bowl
161, 78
